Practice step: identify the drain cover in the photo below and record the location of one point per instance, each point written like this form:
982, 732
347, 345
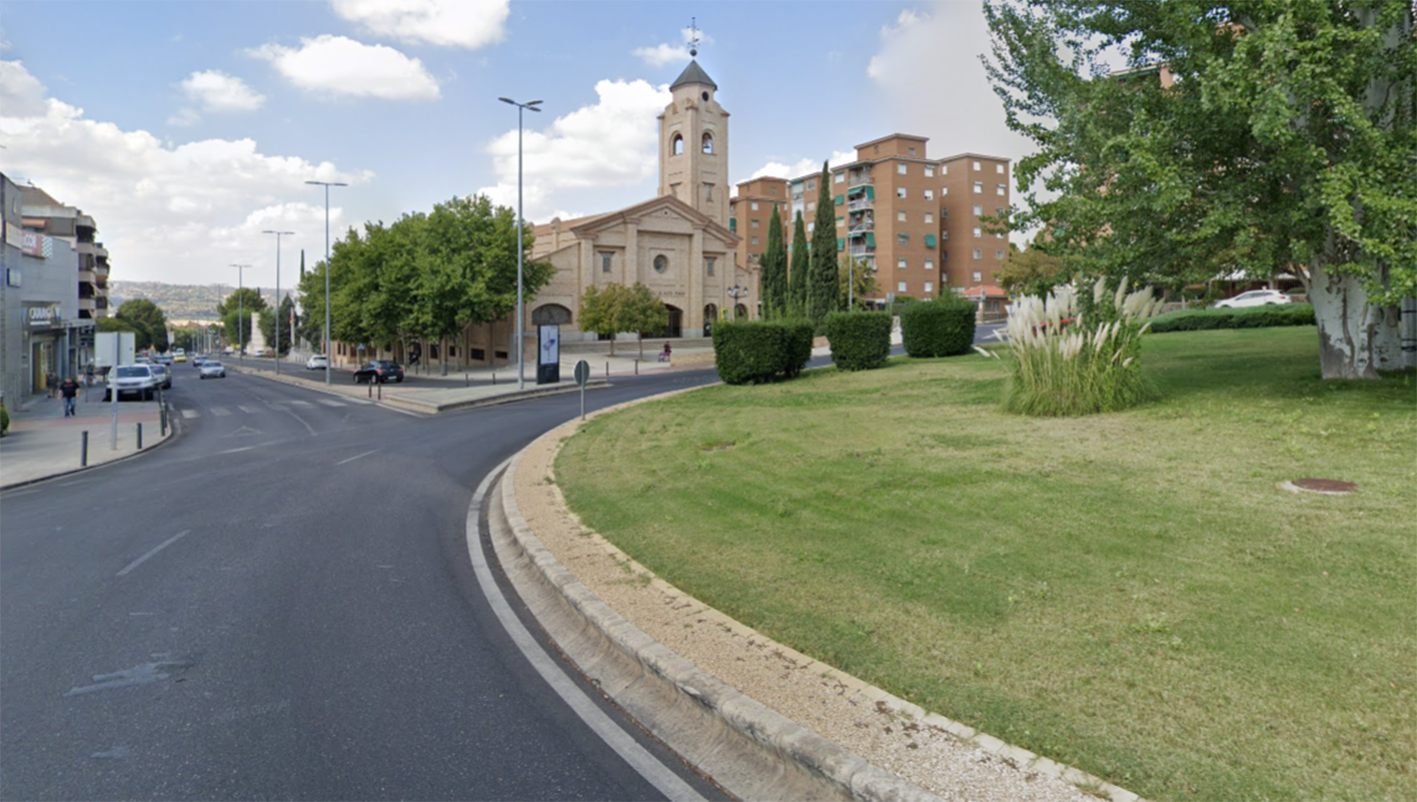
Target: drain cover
1328, 487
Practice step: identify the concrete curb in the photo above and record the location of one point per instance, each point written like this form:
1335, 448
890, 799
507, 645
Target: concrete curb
845, 772
172, 429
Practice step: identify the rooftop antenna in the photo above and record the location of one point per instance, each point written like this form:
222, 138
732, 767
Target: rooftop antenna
693, 36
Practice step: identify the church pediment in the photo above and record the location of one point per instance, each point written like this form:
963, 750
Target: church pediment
644, 214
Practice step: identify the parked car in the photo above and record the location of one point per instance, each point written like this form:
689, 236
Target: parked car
1253, 298
210, 368
381, 371
163, 374
134, 379
198, 360
163, 359
317, 362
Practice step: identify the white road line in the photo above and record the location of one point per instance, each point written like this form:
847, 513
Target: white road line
190, 413
160, 547
629, 750
329, 403
357, 456
220, 411
236, 450
302, 403
247, 410
279, 407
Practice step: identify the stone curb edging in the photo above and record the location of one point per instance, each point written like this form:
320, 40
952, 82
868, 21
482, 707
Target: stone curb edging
172, 429
832, 761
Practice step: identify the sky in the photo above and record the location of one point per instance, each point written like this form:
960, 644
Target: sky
187, 129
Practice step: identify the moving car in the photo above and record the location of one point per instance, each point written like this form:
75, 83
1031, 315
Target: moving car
163, 374
381, 371
198, 360
211, 368
1253, 298
317, 362
136, 380
179, 355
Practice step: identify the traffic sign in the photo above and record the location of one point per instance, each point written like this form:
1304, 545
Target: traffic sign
582, 372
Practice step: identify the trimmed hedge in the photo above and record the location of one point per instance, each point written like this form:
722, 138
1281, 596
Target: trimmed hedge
1254, 317
944, 327
859, 340
752, 352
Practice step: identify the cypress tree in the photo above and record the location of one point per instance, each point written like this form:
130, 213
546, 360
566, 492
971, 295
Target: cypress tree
774, 264
797, 288
822, 281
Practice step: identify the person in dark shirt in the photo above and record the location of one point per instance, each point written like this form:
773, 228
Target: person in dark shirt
70, 391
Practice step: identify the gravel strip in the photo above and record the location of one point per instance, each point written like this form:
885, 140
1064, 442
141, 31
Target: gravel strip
939, 755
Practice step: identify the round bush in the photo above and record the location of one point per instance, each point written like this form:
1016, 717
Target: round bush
859, 340
938, 328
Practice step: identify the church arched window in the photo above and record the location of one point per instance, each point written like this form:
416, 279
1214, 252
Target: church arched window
677, 148
708, 142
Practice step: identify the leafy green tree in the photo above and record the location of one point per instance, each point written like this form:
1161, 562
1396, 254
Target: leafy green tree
268, 325
597, 312
640, 311
311, 290
797, 277
1031, 272
149, 323
822, 275
109, 324
1283, 144
774, 270
244, 301
862, 281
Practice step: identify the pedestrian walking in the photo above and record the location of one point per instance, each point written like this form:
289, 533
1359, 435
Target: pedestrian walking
51, 383
70, 391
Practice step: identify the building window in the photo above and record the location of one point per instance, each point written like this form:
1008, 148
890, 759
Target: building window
929, 194
929, 264
977, 276
708, 192
772, 190
678, 146
900, 168
753, 206
753, 223
605, 260
839, 178
900, 217
900, 192
708, 142
900, 287
978, 187
999, 168
902, 239
708, 265
978, 210
811, 185
1001, 190
976, 165
929, 286
944, 191
661, 264
978, 232
929, 217
978, 254
754, 242
912, 151
900, 263
929, 171
811, 206
811, 226
1001, 210
944, 169
999, 254
840, 221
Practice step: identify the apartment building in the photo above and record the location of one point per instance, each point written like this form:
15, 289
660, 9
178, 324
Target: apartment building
919, 222
750, 214
46, 217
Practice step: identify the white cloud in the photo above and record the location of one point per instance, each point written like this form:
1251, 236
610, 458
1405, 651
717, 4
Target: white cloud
342, 66
802, 166
449, 23
663, 53
184, 117
215, 91
176, 213
612, 143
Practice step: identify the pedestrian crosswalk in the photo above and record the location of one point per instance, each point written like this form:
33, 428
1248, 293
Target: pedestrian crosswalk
270, 406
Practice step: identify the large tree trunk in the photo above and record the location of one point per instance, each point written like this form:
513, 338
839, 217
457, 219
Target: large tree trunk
1347, 323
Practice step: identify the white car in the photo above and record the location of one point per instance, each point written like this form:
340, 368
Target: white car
317, 362
210, 368
137, 380
1253, 298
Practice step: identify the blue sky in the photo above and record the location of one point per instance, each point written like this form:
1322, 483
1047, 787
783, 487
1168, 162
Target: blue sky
188, 128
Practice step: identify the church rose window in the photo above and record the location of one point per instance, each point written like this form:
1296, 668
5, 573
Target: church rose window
661, 263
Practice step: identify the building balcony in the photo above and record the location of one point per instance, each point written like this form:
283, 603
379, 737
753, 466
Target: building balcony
87, 277
861, 205
862, 250
88, 304
859, 179
862, 228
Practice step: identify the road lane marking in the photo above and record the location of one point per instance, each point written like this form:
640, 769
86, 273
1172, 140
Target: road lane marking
331, 403
164, 544
247, 410
629, 750
236, 450
220, 411
356, 456
190, 413
302, 403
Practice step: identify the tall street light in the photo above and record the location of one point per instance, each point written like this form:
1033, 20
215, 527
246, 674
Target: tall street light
278, 234
327, 185
240, 314
520, 345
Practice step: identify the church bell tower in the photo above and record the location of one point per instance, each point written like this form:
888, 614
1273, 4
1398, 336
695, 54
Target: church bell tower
693, 145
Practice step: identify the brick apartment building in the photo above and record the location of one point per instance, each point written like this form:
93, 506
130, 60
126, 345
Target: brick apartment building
917, 221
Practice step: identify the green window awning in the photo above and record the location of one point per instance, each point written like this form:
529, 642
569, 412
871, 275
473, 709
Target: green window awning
840, 244
903, 237
733, 224
840, 199
870, 240
871, 193
929, 240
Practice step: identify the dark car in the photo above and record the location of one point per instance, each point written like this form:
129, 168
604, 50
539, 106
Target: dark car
381, 371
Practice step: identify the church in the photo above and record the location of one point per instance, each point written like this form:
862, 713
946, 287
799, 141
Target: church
679, 244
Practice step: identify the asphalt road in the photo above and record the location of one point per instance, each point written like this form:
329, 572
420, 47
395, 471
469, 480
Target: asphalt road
279, 603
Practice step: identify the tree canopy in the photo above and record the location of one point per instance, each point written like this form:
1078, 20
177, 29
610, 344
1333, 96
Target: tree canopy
615, 308
774, 269
1246, 138
797, 277
244, 301
822, 275
148, 322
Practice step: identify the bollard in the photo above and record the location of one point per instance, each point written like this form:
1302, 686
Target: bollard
84, 452
607, 370
637, 367
140, 437
494, 379
371, 388
162, 420
381, 391
465, 379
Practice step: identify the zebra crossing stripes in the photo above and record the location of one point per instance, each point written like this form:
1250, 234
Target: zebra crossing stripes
329, 403
301, 403
220, 411
247, 410
190, 413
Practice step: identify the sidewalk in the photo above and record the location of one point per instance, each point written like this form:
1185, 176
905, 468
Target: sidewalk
42, 443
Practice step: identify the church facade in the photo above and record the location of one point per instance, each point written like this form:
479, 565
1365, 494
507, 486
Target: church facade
678, 244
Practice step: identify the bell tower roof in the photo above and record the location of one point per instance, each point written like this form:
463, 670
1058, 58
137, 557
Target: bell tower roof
693, 74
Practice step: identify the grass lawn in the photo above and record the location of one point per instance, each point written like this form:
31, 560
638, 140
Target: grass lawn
1127, 593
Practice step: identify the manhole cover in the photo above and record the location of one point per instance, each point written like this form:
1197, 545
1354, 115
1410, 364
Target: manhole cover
1328, 487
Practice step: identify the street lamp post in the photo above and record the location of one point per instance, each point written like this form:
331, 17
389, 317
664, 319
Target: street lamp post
520, 346
327, 185
278, 234
240, 314
735, 292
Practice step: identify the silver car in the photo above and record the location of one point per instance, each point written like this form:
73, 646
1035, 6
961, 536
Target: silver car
211, 369
164, 375
136, 380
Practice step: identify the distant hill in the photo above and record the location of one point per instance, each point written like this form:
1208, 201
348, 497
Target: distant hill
180, 302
